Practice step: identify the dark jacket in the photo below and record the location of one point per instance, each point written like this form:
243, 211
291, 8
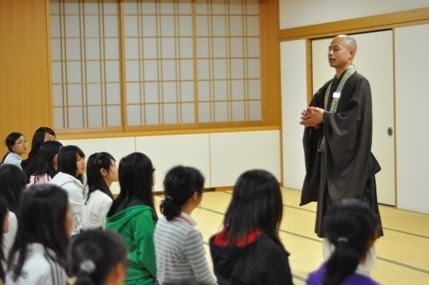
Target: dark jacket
264, 261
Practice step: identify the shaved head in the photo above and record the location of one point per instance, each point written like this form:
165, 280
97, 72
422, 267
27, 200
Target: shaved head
348, 41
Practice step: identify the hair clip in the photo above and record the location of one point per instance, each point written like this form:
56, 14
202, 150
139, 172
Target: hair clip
169, 198
87, 266
342, 239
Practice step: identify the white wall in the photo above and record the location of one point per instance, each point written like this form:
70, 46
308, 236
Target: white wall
412, 101
221, 157
297, 13
294, 100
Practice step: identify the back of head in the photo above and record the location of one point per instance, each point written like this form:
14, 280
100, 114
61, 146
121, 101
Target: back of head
39, 138
41, 215
180, 183
12, 182
93, 254
350, 226
135, 174
256, 205
47, 152
96, 162
67, 157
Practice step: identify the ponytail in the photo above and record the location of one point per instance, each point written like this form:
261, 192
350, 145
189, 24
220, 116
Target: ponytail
350, 227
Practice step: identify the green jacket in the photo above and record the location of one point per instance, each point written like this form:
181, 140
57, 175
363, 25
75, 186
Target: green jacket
136, 225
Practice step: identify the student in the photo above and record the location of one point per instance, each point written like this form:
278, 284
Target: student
133, 215
71, 167
17, 147
47, 162
40, 136
351, 227
248, 250
101, 172
97, 257
180, 253
12, 184
39, 251
4, 228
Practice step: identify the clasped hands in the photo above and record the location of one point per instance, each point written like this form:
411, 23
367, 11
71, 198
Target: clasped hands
312, 117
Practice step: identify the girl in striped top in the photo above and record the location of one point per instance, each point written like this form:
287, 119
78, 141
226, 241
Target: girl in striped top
180, 254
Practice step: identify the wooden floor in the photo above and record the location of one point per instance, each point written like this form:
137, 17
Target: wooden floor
402, 253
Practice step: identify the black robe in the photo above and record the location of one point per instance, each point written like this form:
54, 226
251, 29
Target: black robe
348, 167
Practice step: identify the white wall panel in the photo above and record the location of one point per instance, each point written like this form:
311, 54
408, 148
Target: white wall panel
168, 151
233, 153
294, 90
221, 157
412, 100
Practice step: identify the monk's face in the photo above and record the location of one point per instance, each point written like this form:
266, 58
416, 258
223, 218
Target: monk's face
340, 55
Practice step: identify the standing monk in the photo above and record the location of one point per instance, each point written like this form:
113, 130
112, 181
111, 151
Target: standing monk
338, 136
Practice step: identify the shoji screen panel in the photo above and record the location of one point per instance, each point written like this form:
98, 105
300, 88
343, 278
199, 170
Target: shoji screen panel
85, 64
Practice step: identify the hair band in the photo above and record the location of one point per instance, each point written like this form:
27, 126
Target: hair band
87, 266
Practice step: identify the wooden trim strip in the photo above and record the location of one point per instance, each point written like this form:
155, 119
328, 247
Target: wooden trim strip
356, 25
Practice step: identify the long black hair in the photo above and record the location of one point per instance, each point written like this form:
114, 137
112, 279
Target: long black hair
135, 173
41, 217
12, 183
67, 158
47, 152
39, 138
92, 255
4, 211
180, 183
94, 179
350, 226
256, 204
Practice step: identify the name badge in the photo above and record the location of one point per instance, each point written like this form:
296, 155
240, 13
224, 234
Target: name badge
336, 94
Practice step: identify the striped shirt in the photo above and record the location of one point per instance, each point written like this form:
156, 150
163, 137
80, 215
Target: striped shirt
180, 253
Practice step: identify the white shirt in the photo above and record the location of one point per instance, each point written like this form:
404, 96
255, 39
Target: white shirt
13, 158
39, 269
74, 189
9, 237
95, 210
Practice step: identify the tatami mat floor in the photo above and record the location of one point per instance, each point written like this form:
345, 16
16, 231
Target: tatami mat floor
402, 253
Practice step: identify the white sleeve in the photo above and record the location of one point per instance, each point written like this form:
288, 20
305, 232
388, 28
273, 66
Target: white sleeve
76, 200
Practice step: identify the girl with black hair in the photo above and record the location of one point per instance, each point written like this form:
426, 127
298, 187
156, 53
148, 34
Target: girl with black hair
12, 185
4, 228
101, 172
41, 135
248, 250
133, 215
352, 228
47, 162
97, 257
180, 253
71, 168
16, 144
38, 254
